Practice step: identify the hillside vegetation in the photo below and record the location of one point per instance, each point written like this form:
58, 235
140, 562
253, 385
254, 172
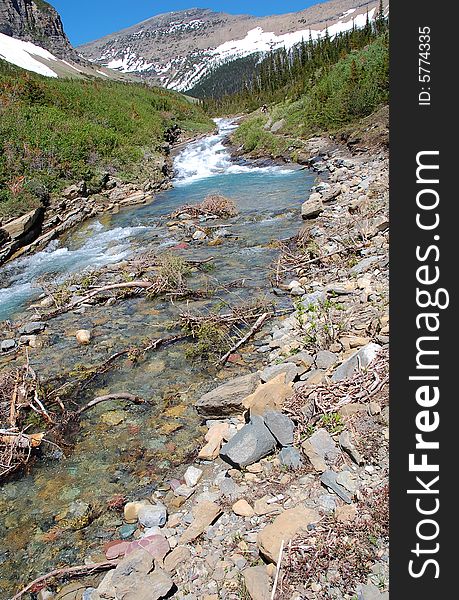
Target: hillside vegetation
353, 88
318, 86
56, 131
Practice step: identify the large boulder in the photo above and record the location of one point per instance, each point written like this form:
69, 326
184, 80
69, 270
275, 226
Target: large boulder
22, 225
250, 444
227, 399
313, 207
358, 361
269, 396
284, 527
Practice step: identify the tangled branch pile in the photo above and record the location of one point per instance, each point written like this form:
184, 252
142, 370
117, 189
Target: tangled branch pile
299, 258
29, 409
150, 275
213, 205
22, 408
309, 404
216, 335
337, 554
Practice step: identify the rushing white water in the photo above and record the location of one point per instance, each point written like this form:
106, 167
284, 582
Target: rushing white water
104, 246
97, 244
209, 157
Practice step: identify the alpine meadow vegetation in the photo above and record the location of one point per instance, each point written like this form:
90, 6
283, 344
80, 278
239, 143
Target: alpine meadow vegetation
56, 131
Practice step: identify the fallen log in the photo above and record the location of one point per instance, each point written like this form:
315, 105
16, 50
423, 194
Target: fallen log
258, 324
78, 570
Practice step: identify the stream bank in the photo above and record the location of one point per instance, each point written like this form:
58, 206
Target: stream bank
327, 467
289, 496
119, 450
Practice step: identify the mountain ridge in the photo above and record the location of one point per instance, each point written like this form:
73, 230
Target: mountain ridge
178, 49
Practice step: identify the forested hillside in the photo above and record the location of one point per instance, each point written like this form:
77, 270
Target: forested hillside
315, 72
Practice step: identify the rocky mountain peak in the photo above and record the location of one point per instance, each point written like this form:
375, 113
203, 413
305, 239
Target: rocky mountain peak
38, 22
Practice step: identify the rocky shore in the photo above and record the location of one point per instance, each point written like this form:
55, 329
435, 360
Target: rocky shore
83, 200
287, 498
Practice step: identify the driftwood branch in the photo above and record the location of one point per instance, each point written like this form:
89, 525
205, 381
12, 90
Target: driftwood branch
106, 398
258, 324
106, 288
278, 568
78, 570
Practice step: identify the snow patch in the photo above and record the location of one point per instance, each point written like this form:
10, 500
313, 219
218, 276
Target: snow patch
23, 54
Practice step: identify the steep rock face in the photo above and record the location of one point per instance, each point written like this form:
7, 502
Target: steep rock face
180, 49
38, 22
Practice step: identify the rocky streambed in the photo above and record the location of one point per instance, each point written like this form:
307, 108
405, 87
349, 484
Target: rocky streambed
273, 481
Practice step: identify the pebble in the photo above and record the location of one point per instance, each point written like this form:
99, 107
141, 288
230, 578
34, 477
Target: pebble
192, 476
152, 515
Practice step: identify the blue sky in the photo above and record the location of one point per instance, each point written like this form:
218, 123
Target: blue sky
87, 20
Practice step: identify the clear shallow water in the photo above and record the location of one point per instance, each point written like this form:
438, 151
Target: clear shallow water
120, 449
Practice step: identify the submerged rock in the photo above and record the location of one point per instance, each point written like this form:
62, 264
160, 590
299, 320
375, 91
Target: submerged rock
83, 336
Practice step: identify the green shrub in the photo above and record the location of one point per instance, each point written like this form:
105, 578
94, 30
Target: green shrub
342, 93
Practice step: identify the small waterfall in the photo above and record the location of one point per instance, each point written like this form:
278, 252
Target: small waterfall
209, 157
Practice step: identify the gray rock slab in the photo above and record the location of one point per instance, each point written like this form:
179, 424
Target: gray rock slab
250, 444
347, 444
227, 399
32, 327
365, 264
325, 359
153, 515
358, 361
281, 426
324, 445
289, 368
8, 345
290, 457
328, 479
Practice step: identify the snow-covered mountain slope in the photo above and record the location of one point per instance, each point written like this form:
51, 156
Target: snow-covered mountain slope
38, 22
27, 55
38, 60
179, 49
